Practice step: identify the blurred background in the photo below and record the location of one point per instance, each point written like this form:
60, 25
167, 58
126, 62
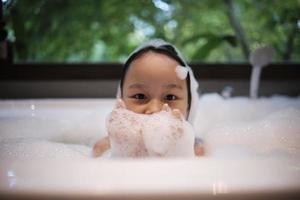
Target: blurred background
75, 48
108, 30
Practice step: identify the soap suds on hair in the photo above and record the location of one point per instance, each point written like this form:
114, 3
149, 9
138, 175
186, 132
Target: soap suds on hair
181, 72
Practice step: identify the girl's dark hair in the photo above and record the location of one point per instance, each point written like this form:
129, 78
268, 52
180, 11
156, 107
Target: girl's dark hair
163, 49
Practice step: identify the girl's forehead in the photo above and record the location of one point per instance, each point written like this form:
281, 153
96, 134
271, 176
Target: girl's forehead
155, 70
152, 65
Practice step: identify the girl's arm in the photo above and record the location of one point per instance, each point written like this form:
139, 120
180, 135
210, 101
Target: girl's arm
101, 146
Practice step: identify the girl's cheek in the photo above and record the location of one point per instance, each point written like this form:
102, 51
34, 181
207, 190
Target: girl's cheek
133, 106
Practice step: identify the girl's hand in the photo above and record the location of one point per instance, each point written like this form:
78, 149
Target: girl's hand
101, 146
162, 130
177, 126
175, 112
125, 132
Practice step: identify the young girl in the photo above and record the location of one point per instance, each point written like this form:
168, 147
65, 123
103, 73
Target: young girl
157, 94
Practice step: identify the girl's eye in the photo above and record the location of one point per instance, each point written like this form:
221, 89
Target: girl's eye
170, 97
139, 96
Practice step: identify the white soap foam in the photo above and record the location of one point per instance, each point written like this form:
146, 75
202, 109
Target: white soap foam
181, 72
234, 127
124, 128
65, 121
263, 127
54, 129
36, 149
166, 135
159, 134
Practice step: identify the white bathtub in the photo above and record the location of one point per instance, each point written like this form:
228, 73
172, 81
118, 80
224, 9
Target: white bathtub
253, 152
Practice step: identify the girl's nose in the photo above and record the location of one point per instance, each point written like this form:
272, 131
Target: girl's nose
153, 106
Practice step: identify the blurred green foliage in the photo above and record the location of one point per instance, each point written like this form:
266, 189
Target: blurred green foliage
108, 30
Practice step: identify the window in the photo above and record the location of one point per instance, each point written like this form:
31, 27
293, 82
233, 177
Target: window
226, 31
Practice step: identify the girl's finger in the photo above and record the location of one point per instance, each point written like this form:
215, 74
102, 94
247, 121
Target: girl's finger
176, 113
166, 108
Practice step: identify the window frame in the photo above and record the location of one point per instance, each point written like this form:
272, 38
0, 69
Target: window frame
112, 71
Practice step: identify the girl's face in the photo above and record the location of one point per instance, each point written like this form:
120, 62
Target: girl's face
151, 81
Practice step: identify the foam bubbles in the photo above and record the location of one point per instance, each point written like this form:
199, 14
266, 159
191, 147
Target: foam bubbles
36, 149
166, 135
181, 72
234, 127
264, 127
60, 129
160, 134
124, 128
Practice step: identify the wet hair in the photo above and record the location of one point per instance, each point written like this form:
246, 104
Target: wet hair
165, 49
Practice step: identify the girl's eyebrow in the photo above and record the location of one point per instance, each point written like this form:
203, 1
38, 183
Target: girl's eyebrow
166, 86
171, 86
138, 86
